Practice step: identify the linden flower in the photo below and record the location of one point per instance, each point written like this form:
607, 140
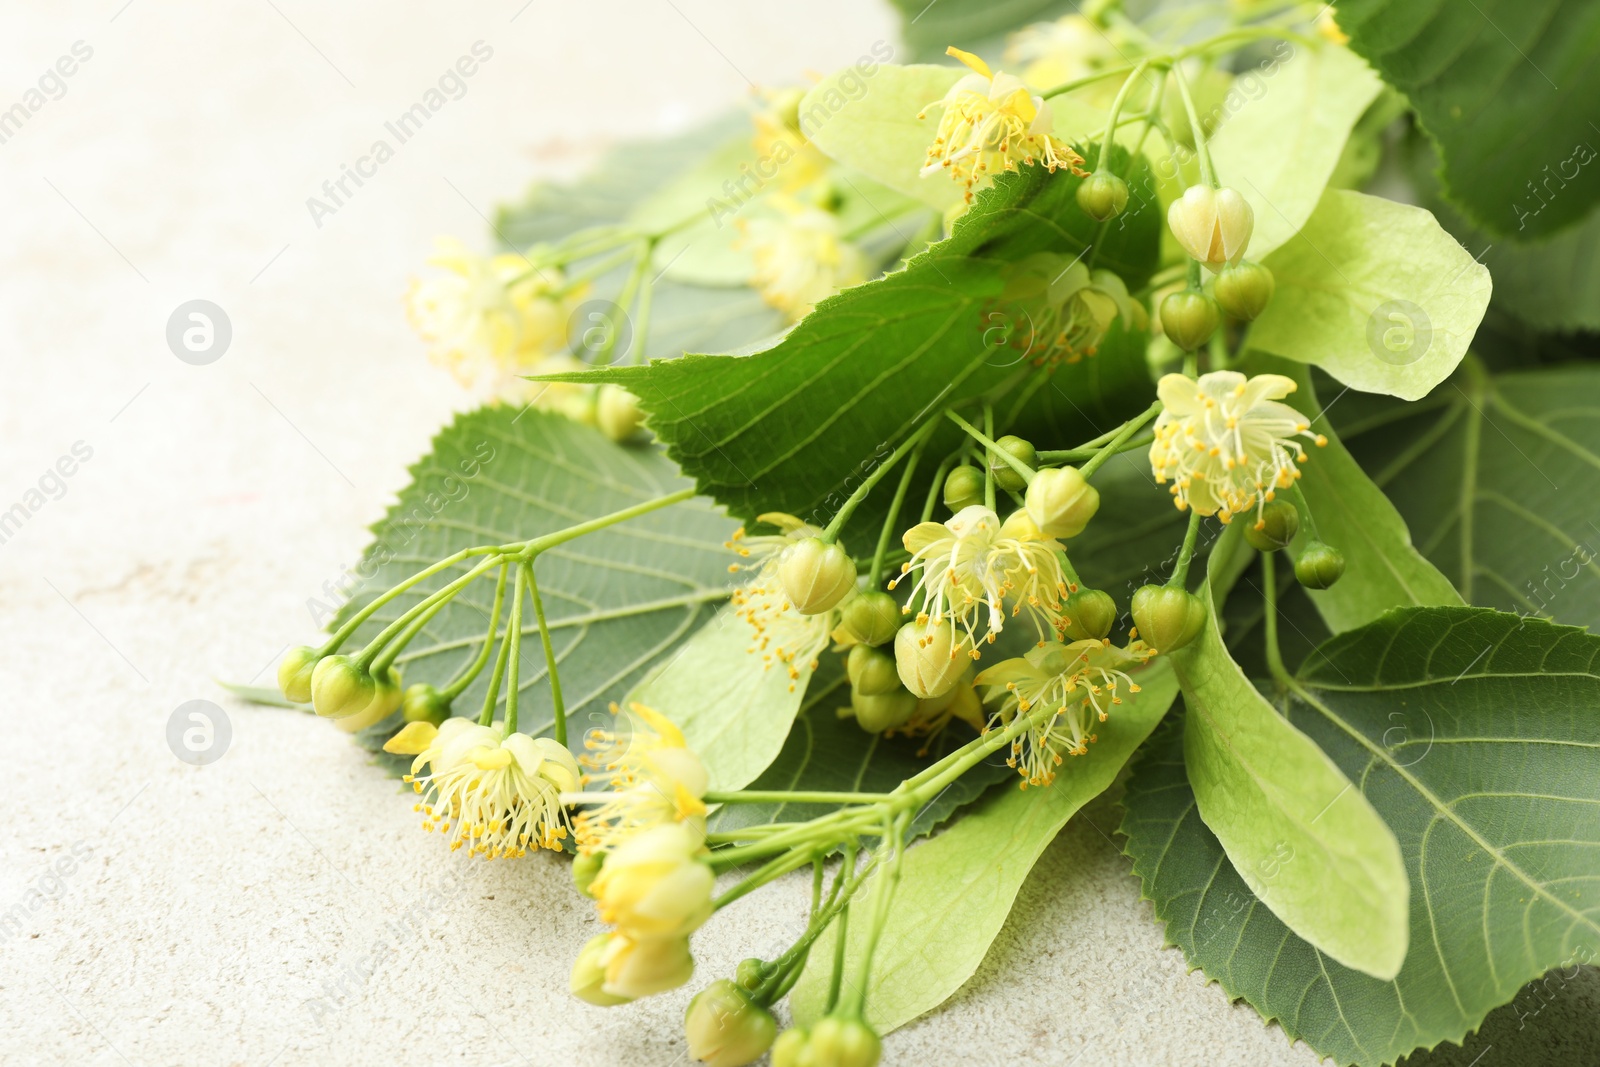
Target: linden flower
489, 318
1225, 441
496, 793
1067, 49
656, 884
992, 122
934, 715
1076, 683
653, 776
801, 256
1061, 310
782, 634
781, 143
974, 562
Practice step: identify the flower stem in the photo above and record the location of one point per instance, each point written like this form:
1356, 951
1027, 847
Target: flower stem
1180, 572
1129, 428
558, 706
1269, 585
1116, 110
514, 666
846, 509
459, 684
492, 696
782, 796
988, 442
875, 575
1202, 150
531, 548
445, 593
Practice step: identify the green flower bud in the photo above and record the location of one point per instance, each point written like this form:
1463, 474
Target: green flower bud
791, 1047
1279, 522
589, 974
423, 703
585, 869
871, 671
1103, 195
963, 487
816, 575
1060, 502
617, 413
339, 688
873, 618
1167, 617
1091, 614
1006, 476
751, 972
294, 673
1244, 290
838, 1042
725, 1028
931, 657
1319, 566
386, 700
884, 711
1189, 318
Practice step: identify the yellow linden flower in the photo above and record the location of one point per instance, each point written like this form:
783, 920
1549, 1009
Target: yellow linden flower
1078, 682
656, 884
643, 967
781, 146
498, 794
801, 256
653, 776
1225, 442
991, 122
782, 635
1060, 310
490, 318
974, 562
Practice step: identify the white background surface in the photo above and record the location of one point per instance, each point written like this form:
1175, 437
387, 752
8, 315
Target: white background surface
217, 914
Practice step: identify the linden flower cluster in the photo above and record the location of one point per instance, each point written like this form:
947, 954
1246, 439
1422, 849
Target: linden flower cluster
1079, 682
1061, 309
992, 122
801, 256
1225, 441
790, 603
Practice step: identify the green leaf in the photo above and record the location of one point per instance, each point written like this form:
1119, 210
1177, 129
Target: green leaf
617, 601
1497, 476
1311, 847
1375, 293
1382, 569
1280, 147
1510, 92
930, 27
957, 888
1473, 733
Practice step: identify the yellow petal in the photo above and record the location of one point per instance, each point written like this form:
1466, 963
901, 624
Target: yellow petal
490, 759
970, 60
413, 740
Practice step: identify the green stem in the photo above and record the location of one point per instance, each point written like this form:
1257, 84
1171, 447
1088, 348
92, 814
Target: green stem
366, 656
1074, 455
988, 442
343, 633
459, 684
782, 796
386, 658
514, 665
641, 327
773, 869
1129, 428
1090, 79
842, 516
875, 575
557, 705
531, 548
1180, 572
1269, 584
882, 897
935, 490
1116, 110
492, 695
1202, 150
836, 979
641, 263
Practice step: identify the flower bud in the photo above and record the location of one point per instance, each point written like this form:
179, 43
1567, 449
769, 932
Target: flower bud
1005, 475
1319, 566
963, 488
1212, 225
725, 1028
871, 671
872, 618
589, 974
386, 698
1103, 195
816, 574
836, 1042
423, 703
1279, 522
643, 968
585, 869
340, 688
1091, 614
1189, 318
930, 656
751, 972
1243, 290
1167, 617
791, 1047
294, 673
885, 711
655, 884
617, 413
1060, 502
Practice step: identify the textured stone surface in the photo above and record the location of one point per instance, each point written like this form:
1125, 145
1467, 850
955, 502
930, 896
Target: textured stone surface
280, 906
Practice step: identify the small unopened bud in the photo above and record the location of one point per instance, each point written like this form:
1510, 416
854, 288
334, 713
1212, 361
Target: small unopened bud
1212, 225
725, 1028
871, 671
294, 673
1243, 290
339, 688
1092, 613
386, 699
963, 488
1319, 566
931, 657
816, 574
751, 972
791, 1047
617, 413
1061, 502
1005, 475
1279, 522
836, 1042
1167, 617
1103, 195
872, 618
884, 711
589, 974
1189, 318
645, 967
423, 703
585, 869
